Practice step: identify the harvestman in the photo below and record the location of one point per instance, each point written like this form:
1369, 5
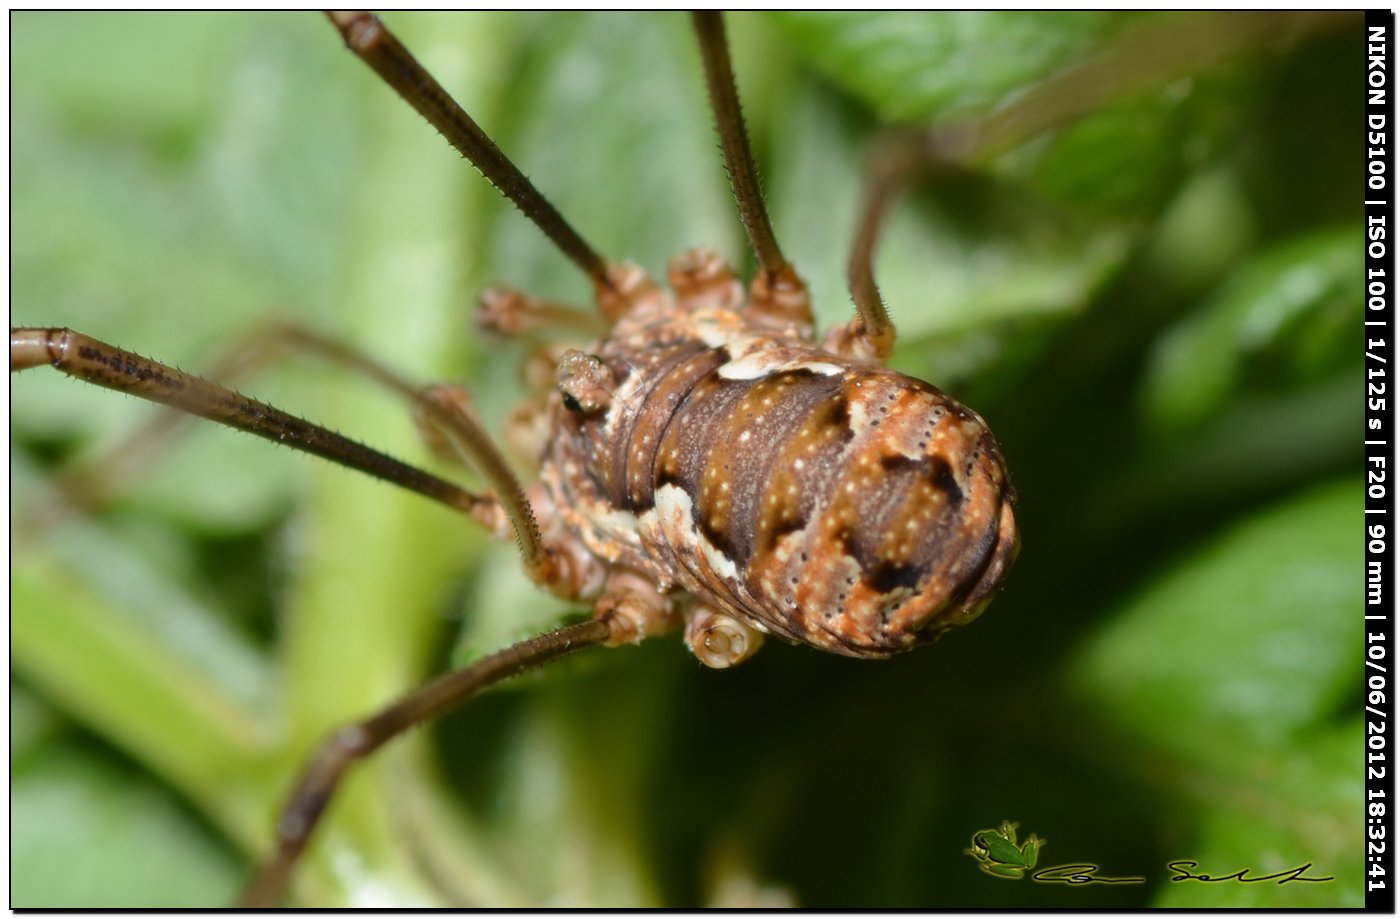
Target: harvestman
878, 515
871, 513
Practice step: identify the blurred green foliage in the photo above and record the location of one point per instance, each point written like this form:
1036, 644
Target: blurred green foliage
1156, 309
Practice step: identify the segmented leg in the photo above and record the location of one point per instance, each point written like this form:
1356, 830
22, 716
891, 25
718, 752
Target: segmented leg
97, 362
871, 334
443, 413
1144, 56
448, 409
506, 311
106, 365
88, 485
1150, 53
321, 776
778, 296
374, 44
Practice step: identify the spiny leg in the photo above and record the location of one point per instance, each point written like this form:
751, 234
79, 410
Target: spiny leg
871, 334
442, 411
97, 362
1148, 55
778, 295
374, 44
90, 484
444, 414
1152, 53
321, 776
448, 409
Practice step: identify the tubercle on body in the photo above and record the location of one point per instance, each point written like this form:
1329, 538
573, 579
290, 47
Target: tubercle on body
751, 482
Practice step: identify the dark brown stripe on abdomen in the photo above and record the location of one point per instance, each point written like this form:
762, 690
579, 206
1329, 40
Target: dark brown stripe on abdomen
735, 445
667, 380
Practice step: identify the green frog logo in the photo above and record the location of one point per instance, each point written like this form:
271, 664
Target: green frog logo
998, 854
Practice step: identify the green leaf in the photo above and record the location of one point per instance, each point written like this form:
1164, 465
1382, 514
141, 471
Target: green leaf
656, 185
919, 66
1284, 319
167, 216
1245, 643
158, 677
1294, 810
1123, 158
968, 272
1234, 664
174, 248
98, 836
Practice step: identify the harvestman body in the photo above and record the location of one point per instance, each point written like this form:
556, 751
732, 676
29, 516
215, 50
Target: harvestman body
708, 463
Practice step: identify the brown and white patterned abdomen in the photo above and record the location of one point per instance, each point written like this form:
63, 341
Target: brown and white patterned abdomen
858, 510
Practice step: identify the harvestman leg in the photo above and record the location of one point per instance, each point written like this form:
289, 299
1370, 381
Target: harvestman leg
105, 365
322, 774
90, 484
441, 407
506, 311
374, 44
97, 362
1145, 56
369, 40
777, 296
870, 332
